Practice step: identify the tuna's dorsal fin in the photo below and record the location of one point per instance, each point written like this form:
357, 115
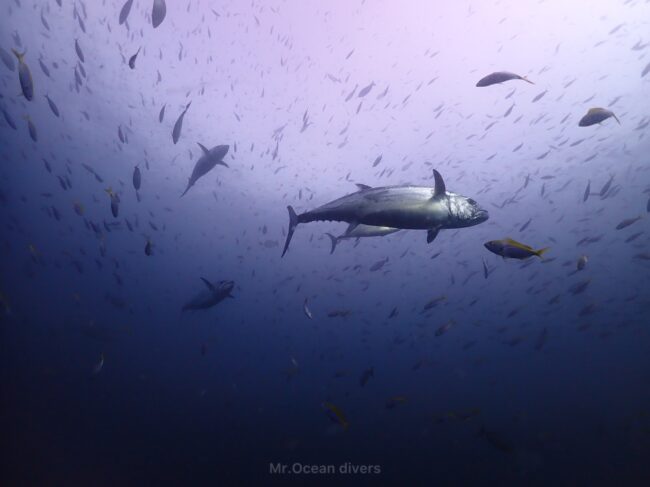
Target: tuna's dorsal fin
518, 244
204, 149
362, 186
439, 189
209, 284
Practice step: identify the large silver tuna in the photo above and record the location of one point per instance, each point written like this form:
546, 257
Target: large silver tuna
403, 207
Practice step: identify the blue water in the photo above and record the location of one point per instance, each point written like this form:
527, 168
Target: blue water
536, 374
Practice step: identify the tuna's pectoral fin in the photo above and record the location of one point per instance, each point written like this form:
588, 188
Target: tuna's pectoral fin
351, 227
293, 222
440, 190
209, 285
204, 149
432, 233
362, 186
223, 164
334, 240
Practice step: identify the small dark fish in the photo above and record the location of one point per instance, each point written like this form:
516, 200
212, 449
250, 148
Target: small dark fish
582, 262
604, 189
80, 53
148, 250
133, 58
158, 12
364, 91
8, 119
24, 76
587, 192
126, 9
486, 271
161, 115
596, 115
365, 377
540, 96
178, 126
627, 222
500, 77
377, 161
137, 178
32, 130
580, 287
53, 107
525, 225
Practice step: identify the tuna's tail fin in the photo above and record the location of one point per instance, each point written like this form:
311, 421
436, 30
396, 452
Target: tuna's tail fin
541, 252
19, 55
293, 222
189, 185
334, 240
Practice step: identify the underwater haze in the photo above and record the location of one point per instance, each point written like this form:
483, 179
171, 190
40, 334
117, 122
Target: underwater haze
474, 310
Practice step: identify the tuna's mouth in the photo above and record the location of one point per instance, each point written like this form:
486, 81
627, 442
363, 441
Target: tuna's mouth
481, 216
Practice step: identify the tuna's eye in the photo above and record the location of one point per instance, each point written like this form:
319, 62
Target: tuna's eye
471, 201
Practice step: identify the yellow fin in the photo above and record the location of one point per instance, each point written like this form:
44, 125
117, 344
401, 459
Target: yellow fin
541, 252
514, 243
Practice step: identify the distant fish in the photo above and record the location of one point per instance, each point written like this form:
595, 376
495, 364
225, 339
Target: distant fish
53, 107
366, 375
596, 115
364, 91
500, 77
206, 163
645, 71
8, 119
178, 126
214, 295
133, 58
627, 222
361, 231
25, 76
582, 262
97, 368
161, 115
306, 310
115, 202
525, 225
158, 12
126, 9
587, 192
137, 178
511, 249
32, 129
377, 160
148, 248
336, 415
80, 53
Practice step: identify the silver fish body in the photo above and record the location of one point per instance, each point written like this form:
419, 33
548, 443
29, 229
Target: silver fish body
206, 163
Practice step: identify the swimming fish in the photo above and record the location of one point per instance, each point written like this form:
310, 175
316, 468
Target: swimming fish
582, 262
99, 365
53, 107
137, 178
158, 12
366, 375
627, 222
126, 9
361, 231
403, 207
215, 294
596, 115
178, 126
306, 310
115, 202
206, 163
511, 249
148, 248
80, 53
24, 76
161, 115
336, 415
133, 58
32, 129
500, 77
